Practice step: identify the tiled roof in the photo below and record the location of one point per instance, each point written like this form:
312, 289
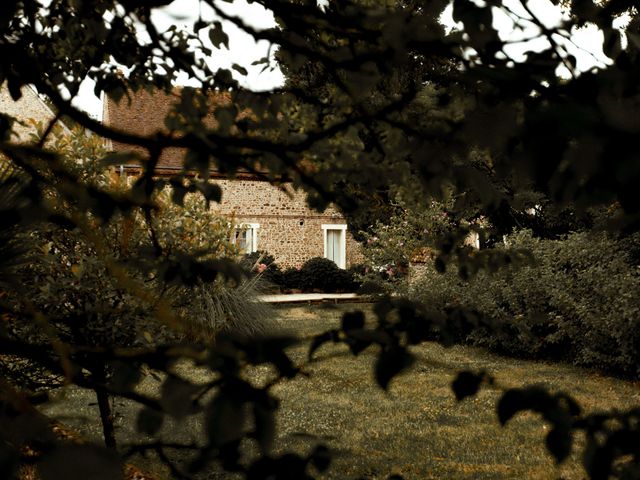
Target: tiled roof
144, 113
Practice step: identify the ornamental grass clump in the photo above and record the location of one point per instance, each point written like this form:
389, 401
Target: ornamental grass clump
222, 307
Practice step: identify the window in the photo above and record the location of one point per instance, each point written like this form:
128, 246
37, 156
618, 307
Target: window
245, 236
335, 243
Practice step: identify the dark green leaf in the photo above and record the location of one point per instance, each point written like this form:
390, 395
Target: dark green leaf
612, 43
390, 363
533, 398
240, 69
320, 340
218, 36
289, 466
265, 426
512, 402
352, 321
283, 364
210, 191
559, 442
598, 459
568, 404
178, 192
225, 418
177, 397
15, 88
125, 376
466, 384
226, 117
320, 458
358, 341
6, 124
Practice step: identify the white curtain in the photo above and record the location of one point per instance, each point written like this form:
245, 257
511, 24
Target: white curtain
334, 241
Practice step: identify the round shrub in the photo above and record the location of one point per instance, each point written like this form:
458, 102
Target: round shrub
291, 279
323, 274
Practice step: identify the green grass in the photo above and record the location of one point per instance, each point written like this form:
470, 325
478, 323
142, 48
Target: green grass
416, 429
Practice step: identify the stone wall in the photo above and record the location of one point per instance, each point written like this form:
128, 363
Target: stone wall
288, 229
29, 107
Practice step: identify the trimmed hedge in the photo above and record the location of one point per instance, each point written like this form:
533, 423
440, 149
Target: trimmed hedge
579, 302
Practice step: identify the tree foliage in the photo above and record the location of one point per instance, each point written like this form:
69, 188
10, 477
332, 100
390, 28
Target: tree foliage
379, 97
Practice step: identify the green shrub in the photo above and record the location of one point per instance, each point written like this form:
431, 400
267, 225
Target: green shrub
389, 245
577, 303
263, 264
357, 273
250, 261
317, 274
323, 274
291, 279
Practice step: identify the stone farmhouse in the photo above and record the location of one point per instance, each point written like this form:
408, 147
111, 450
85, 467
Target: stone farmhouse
266, 218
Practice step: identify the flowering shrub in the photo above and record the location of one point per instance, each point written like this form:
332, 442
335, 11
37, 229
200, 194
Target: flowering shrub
390, 246
263, 264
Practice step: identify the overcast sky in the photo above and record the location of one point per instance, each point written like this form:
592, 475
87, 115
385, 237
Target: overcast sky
243, 49
585, 45
523, 36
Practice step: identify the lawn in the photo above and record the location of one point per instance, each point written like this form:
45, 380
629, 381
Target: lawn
416, 429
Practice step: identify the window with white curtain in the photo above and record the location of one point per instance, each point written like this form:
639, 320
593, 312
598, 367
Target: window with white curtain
245, 236
335, 243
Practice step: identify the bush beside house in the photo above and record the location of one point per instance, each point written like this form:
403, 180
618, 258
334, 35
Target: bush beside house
315, 275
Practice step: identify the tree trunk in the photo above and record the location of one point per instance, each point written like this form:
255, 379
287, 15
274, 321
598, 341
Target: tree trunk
106, 414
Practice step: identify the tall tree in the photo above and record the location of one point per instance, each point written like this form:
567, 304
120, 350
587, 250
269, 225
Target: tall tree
377, 100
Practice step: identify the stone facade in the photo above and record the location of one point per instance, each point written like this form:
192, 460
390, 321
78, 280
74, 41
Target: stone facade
281, 222
286, 227
30, 107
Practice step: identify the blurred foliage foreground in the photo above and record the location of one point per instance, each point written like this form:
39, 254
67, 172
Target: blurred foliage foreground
102, 282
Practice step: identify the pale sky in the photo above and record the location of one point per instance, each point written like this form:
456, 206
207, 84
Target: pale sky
585, 44
243, 49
